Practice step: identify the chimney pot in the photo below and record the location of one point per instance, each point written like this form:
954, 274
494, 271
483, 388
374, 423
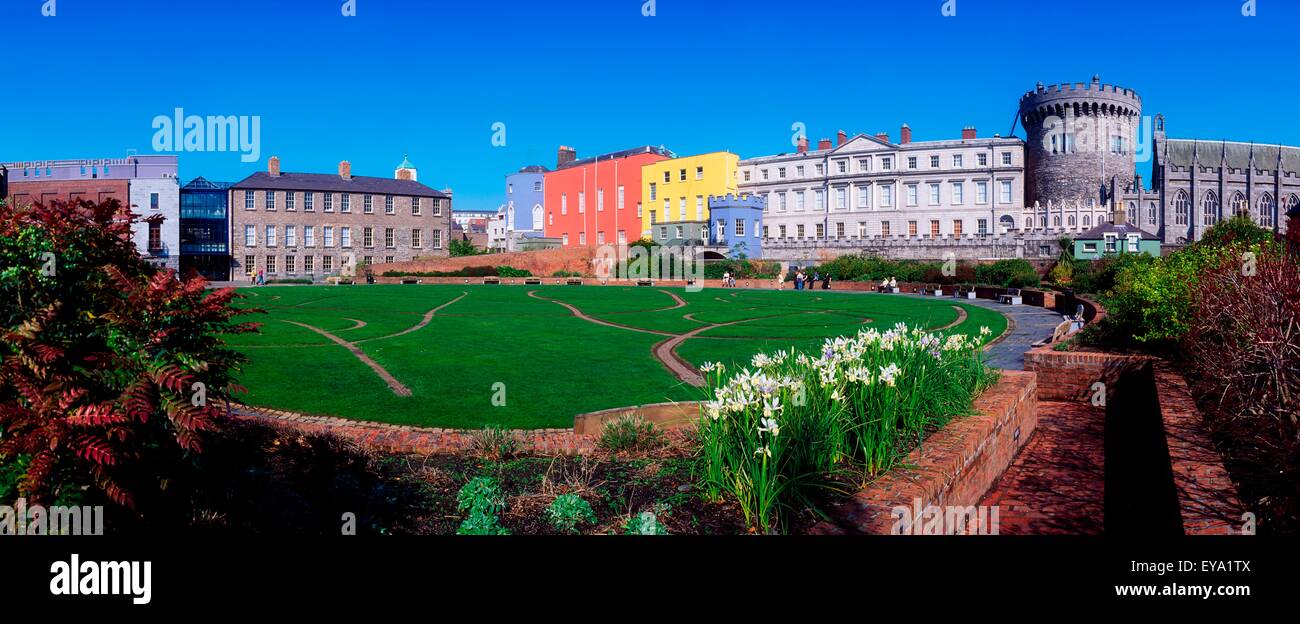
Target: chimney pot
345, 170
273, 166
968, 133
824, 144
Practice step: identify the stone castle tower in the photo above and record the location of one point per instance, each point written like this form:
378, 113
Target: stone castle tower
1079, 137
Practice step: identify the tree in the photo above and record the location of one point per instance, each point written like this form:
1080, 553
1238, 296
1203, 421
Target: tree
461, 247
113, 369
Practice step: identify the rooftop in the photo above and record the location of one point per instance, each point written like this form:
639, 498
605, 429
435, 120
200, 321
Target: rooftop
332, 182
645, 149
1120, 231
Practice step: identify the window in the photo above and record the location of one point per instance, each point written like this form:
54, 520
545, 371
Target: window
329, 207
663, 233
821, 230
537, 187
1265, 205
884, 228
1090, 248
388, 204
982, 227
270, 264
780, 173
270, 200
864, 197
934, 228
600, 238
799, 230
821, 169
288, 264
417, 205
842, 166
582, 202
841, 198
270, 236
957, 227
248, 200
155, 237
864, 164
765, 231
290, 201
682, 176
290, 236
839, 230
1005, 193
600, 200
699, 207
368, 204
309, 264
934, 162
911, 195
957, 161
327, 233
740, 227
887, 195
1007, 223
668, 209
763, 173
389, 241
957, 193
582, 238
621, 196
886, 163
437, 238
1006, 159
622, 237
798, 200
681, 205
911, 162
911, 229
1151, 213
417, 239
308, 236
982, 159
1239, 206
781, 231
368, 237
308, 206
250, 236
668, 176
1087, 220
1110, 243
564, 204
780, 202
981, 192
345, 202
699, 173
746, 176
798, 171
1210, 208
821, 200
934, 194
327, 263
345, 237
153, 201
250, 264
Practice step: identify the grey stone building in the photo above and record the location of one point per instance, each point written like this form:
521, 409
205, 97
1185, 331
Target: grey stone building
310, 225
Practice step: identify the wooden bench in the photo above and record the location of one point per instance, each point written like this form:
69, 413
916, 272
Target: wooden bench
492, 280
1011, 297
936, 290
965, 291
407, 280
573, 282
645, 282
533, 281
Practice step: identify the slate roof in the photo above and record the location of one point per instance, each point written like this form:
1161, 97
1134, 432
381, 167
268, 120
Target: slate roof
1179, 152
332, 182
645, 149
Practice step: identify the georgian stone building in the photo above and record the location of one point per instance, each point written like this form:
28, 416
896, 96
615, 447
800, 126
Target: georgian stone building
869, 187
296, 225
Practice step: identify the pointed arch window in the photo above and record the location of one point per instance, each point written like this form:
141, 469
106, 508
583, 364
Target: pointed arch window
1182, 209
1239, 206
1265, 207
1210, 208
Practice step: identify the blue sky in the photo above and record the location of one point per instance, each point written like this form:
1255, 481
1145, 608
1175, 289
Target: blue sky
431, 77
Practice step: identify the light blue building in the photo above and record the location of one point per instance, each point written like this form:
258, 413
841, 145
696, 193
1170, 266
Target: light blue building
525, 203
737, 223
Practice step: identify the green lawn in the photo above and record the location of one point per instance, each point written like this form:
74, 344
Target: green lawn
552, 364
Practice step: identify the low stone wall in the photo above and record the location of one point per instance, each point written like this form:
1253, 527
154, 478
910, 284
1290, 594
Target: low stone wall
663, 415
954, 467
543, 262
1207, 499
1070, 375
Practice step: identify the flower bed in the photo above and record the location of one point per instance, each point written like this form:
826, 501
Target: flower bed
771, 437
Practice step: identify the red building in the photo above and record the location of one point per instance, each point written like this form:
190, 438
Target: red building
597, 201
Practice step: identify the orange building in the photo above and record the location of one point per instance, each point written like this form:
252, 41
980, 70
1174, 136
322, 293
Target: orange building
597, 201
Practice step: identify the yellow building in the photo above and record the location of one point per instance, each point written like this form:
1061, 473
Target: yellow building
678, 190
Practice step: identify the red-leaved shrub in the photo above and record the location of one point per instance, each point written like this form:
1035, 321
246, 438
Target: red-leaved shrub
112, 369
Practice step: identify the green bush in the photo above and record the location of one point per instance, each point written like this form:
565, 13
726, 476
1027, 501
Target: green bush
563, 273
741, 269
568, 511
644, 523
506, 271
495, 443
290, 280
473, 271
630, 432
1010, 273
481, 497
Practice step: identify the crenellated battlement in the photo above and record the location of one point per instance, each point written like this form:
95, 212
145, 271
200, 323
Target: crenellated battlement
1081, 90
730, 200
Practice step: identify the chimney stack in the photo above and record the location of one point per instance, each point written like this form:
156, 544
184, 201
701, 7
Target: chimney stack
883, 136
802, 146
841, 138
905, 135
273, 166
968, 133
824, 144
566, 155
1121, 214
345, 170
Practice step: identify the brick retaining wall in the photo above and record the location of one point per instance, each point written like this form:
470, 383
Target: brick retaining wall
1070, 375
955, 466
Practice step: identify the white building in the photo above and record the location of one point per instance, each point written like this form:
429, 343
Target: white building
867, 187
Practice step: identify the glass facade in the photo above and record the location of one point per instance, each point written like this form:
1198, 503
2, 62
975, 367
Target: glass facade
205, 227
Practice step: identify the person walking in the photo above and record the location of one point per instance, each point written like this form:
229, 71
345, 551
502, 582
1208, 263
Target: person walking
826, 281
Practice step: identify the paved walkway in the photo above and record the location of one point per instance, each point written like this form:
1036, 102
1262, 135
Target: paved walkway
1056, 485
1026, 325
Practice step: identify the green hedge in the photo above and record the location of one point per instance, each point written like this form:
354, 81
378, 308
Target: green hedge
473, 271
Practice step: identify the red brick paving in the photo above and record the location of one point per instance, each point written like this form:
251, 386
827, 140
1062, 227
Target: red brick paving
1056, 485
